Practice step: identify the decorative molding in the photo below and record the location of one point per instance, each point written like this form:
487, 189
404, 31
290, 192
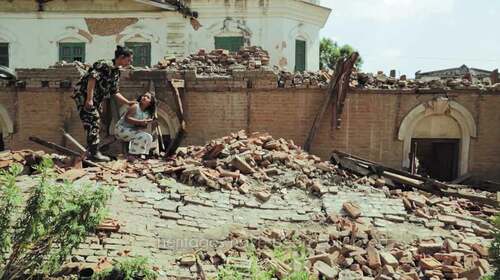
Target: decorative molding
168, 120
6, 124
294, 10
71, 33
440, 106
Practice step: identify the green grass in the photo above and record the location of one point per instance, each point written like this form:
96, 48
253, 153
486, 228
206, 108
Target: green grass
294, 255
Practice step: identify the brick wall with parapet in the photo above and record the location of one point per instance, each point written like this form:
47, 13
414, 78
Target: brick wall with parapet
216, 106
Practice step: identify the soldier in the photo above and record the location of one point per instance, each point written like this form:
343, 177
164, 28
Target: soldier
100, 81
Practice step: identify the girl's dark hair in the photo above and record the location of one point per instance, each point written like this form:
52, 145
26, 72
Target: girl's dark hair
123, 51
152, 106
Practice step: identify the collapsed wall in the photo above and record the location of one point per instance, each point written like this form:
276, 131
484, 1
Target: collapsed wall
254, 196
283, 104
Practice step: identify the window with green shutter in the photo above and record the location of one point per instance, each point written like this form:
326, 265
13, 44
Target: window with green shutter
4, 54
70, 52
233, 43
300, 55
142, 53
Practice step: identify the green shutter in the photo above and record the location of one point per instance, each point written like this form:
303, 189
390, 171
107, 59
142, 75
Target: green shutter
300, 55
4, 54
232, 44
142, 53
70, 52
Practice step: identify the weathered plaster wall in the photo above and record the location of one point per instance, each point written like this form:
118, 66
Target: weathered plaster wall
74, 5
33, 36
274, 25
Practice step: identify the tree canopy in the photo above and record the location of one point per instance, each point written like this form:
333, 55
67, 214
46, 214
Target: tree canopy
330, 52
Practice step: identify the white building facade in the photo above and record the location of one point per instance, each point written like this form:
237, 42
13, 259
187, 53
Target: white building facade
88, 30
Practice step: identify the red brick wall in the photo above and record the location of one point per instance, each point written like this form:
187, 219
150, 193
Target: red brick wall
369, 127
370, 121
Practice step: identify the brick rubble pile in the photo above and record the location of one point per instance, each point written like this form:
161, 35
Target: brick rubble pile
382, 81
223, 63
218, 62
348, 236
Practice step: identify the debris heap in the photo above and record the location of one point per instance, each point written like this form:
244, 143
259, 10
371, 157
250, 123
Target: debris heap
349, 249
219, 61
348, 228
382, 81
249, 163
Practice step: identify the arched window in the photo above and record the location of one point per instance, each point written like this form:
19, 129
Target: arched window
4, 54
142, 50
230, 43
300, 54
2, 144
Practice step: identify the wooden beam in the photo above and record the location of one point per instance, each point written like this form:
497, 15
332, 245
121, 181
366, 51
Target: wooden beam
62, 150
336, 88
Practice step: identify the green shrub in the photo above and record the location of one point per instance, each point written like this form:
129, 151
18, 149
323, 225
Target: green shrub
128, 269
54, 221
10, 199
293, 255
494, 251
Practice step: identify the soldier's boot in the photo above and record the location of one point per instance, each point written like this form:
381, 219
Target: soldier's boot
95, 155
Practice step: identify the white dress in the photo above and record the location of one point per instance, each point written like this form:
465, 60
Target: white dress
140, 142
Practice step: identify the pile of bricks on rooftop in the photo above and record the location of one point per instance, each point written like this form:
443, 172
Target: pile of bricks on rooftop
219, 62
391, 82
223, 63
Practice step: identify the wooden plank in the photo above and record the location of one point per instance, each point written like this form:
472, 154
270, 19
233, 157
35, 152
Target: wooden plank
73, 140
176, 142
336, 87
433, 182
62, 150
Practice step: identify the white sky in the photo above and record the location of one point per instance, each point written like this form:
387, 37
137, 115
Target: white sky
412, 35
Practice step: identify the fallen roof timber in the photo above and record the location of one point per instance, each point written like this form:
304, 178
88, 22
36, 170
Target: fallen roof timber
365, 167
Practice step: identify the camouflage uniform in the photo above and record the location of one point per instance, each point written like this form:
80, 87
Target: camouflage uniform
107, 77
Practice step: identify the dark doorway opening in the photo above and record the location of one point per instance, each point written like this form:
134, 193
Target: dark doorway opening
166, 142
2, 144
438, 158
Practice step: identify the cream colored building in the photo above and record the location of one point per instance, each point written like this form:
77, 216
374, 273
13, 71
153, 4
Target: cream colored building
38, 34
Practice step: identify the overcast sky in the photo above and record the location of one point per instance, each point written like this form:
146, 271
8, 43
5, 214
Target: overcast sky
412, 35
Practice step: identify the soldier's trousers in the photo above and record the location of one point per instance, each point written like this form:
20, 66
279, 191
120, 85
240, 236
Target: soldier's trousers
92, 124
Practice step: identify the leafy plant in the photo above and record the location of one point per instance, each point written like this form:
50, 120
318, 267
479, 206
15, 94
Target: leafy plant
494, 251
129, 269
55, 220
293, 255
10, 198
255, 271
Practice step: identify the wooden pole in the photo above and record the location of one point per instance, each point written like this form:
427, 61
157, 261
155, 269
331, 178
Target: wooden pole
337, 86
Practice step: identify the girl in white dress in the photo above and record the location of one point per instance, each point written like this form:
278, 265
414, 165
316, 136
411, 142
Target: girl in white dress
132, 125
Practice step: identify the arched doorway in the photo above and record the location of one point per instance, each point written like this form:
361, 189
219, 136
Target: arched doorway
2, 144
168, 121
438, 132
169, 124
6, 127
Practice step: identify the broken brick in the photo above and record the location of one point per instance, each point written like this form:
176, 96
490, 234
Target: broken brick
351, 209
429, 263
